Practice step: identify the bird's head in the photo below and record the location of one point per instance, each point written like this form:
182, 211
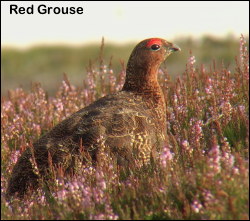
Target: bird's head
144, 62
152, 52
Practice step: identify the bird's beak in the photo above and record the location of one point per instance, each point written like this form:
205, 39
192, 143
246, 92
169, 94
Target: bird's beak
174, 48
170, 48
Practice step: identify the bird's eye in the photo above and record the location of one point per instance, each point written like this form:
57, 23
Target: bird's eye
155, 47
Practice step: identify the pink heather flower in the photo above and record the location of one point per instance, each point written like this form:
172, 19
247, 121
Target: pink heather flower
61, 194
209, 88
207, 195
243, 48
175, 99
166, 156
113, 217
196, 206
191, 62
226, 109
228, 159
37, 128
214, 159
119, 85
65, 86
100, 216
226, 146
88, 170
112, 79
74, 186
14, 156
104, 68
244, 57
7, 106
242, 108
90, 80
186, 146
59, 105
209, 199
197, 92
42, 200
86, 96
197, 131
231, 160
100, 180
86, 93
198, 127
236, 170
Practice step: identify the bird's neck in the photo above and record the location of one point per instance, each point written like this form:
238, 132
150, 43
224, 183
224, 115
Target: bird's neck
143, 81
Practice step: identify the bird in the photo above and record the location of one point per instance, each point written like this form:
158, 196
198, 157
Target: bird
130, 124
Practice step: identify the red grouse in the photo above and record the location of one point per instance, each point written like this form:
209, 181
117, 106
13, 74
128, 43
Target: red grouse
131, 123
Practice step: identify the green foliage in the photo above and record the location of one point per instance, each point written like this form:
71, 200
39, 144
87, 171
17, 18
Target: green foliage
37, 64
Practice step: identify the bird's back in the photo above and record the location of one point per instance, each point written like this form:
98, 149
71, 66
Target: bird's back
123, 122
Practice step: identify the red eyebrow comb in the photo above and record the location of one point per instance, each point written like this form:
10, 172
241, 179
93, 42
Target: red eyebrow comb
154, 41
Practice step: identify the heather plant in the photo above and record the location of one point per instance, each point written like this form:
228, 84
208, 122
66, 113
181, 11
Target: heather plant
202, 172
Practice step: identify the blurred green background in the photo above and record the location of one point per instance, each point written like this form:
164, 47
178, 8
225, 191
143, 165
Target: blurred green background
46, 64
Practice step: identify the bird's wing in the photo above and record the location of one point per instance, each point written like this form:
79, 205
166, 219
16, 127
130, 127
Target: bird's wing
124, 132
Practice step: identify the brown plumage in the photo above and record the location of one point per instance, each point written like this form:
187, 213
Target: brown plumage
130, 124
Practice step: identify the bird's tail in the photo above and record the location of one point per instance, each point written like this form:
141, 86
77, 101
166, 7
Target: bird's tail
23, 177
